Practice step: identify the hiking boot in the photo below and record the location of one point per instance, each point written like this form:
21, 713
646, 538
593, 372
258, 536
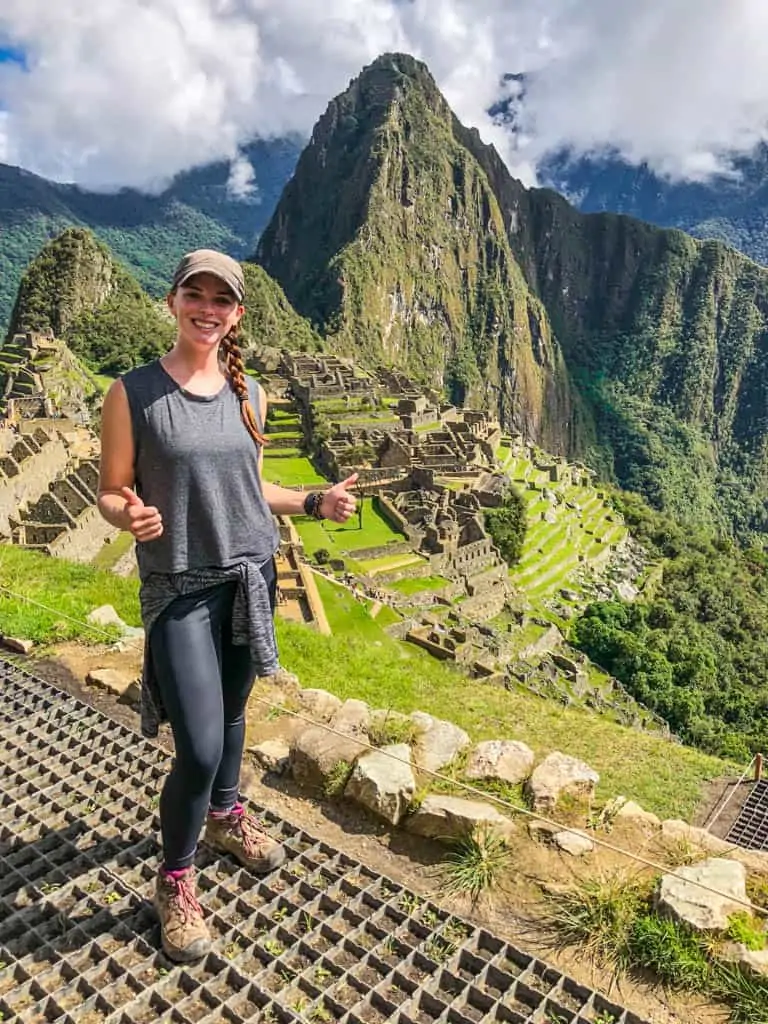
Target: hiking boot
241, 835
183, 931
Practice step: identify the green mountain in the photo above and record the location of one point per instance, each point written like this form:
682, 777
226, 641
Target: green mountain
402, 235
79, 292
391, 241
76, 290
148, 233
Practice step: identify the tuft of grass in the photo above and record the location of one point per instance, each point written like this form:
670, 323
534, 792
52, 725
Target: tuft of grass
390, 729
336, 780
476, 865
598, 914
612, 919
746, 929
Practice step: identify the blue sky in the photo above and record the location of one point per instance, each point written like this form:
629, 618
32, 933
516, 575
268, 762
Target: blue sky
11, 55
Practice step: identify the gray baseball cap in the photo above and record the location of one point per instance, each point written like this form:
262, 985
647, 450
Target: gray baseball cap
208, 261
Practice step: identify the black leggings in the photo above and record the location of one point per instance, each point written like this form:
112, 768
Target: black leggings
204, 681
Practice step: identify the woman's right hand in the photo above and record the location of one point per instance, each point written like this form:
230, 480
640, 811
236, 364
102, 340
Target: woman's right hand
143, 521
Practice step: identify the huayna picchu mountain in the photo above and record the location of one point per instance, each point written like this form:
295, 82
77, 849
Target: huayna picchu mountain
389, 238
403, 236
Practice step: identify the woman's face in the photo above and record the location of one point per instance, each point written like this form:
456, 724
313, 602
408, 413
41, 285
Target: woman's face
205, 310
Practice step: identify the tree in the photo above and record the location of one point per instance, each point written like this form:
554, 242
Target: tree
507, 526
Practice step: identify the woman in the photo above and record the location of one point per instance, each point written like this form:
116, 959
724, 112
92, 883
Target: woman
181, 456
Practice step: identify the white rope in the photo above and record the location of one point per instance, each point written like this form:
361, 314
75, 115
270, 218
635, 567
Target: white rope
473, 790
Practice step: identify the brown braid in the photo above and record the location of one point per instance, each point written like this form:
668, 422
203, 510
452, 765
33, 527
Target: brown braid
236, 371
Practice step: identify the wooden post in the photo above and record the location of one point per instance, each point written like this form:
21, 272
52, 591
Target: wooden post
758, 767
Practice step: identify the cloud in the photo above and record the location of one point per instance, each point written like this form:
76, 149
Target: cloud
129, 92
242, 179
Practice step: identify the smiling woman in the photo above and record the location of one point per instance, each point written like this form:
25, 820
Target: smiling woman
181, 453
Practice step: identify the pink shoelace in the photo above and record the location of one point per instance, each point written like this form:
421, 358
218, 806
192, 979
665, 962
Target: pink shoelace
247, 826
184, 896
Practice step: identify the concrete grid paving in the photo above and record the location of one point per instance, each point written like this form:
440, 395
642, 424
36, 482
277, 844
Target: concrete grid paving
324, 939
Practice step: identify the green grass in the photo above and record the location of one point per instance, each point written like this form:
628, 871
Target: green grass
361, 660
342, 541
289, 470
386, 563
418, 584
70, 589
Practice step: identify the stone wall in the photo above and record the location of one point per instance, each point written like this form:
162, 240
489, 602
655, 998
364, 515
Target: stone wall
83, 541
29, 478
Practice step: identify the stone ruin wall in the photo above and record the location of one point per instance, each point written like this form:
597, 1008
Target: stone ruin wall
27, 465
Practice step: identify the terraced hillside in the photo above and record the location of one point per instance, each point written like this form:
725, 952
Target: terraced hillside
573, 531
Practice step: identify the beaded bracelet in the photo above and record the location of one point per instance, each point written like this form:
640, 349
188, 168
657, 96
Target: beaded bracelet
312, 504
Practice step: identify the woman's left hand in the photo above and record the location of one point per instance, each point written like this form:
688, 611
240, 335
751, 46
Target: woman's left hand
337, 504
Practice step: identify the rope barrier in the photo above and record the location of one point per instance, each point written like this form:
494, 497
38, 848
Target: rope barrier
465, 786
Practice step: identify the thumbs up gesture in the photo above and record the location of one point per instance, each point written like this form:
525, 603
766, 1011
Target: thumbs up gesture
337, 504
144, 521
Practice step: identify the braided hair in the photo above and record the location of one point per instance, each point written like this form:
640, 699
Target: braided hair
230, 344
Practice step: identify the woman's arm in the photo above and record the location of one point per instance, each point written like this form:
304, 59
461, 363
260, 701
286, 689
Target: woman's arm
117, 501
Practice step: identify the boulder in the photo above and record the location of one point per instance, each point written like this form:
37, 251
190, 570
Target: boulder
110, 679
272, 755
352, 718
682, 899
619, 808
381, 782
558, 774
17, 644
439, 741
315, 752
575, 843
749, 960
318, 705
451, 817
507, 760
105, 615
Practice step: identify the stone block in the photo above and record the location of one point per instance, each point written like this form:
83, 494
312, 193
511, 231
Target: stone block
559, 774
315, 752
439, 741
383, 783
450, 817
508, 760
704, 909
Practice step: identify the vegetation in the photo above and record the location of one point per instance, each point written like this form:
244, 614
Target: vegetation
77, 291
270, 320
613, 920
507, 526
476, 865
663, 777
694, 649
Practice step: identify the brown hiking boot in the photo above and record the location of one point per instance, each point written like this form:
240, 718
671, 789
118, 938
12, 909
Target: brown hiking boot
183, 931
241, 835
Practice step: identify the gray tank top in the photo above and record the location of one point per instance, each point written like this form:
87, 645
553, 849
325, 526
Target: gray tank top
197, 463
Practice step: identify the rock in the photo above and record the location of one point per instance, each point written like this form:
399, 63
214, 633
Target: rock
702, 909
631, 811
575, 843
18, 645
315, 752
451, 817
439, 743
110, 679
105, 615
132, 695
272, 755
319, 705
558, 774
507, 760
754, 960
383, 784
283, 679
352, 718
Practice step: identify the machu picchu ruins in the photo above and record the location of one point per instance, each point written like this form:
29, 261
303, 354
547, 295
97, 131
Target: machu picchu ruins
429, 472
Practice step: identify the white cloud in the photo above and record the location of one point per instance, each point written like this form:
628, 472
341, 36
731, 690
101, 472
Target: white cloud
242, 179
129, 92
